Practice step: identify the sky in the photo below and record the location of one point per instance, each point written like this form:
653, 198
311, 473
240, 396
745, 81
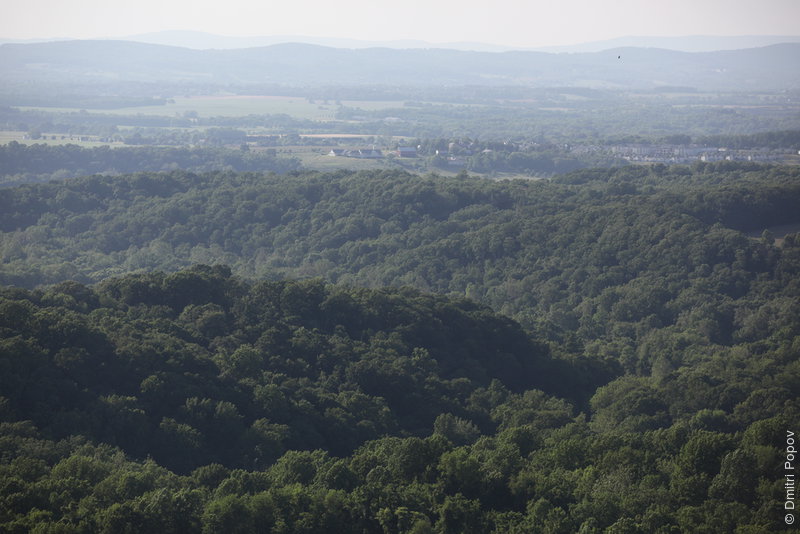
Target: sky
518, 23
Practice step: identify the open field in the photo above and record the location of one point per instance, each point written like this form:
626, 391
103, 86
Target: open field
86, 141
242, 105
317, 158
321, 161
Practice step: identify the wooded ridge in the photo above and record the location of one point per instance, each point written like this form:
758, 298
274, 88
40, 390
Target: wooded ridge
765, 68
606, 351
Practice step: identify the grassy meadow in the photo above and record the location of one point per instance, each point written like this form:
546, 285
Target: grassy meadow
243, 105
87, 141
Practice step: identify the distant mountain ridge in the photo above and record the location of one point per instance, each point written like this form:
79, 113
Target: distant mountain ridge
773, 67
206, 41
690, 43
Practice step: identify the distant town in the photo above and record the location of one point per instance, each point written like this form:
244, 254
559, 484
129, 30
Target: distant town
663, 153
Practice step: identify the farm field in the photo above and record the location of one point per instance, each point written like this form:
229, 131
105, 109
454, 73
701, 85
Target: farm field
317, 158
86, 141
242, 105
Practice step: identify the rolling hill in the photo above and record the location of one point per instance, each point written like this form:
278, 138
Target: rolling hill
766, 68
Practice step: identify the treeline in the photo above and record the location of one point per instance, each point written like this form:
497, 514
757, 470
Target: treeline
773, 140
168, 129
567, 255
20, 163
567, 120
537, 162
38, 162
521, 157
199, 402
789, 139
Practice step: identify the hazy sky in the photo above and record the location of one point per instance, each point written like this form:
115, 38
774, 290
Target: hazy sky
522, 23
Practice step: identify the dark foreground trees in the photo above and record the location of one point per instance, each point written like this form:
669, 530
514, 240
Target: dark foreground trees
199, 402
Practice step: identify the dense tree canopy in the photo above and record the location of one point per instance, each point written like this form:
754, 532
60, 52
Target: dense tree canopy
30, 163
646, 383
635, 245
196, 401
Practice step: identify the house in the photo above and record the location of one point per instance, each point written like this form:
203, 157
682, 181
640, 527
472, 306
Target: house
406, 152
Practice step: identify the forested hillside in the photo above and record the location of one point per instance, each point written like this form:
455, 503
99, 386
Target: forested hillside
21, 164
305, 407
350, 364
310, 365
624, 244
